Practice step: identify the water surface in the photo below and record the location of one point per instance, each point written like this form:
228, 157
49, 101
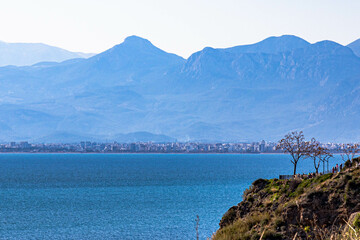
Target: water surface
126, 196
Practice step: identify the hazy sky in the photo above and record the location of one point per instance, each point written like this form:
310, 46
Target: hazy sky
178, 26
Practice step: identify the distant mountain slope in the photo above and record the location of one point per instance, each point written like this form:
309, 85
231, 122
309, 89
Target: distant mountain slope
272, 45
275, 86
65, 137
135, 61
25, 54
355, 46
261, 94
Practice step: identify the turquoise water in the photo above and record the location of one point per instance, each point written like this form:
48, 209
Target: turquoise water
126, 196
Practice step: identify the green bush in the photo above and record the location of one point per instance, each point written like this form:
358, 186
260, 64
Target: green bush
323, 178
300, 188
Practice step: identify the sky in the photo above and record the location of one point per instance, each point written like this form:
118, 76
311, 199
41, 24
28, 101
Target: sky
177, 26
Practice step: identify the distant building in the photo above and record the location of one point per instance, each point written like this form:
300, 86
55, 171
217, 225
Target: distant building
24, 145
132, 147
262, 146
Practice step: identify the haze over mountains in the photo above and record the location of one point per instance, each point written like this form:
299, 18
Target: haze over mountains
138, 92
23, 54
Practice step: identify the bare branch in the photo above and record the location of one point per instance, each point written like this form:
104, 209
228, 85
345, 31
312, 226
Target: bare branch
294, 143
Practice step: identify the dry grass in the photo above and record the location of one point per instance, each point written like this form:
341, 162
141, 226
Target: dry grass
349, 232
249, 228
254, 227
270, 210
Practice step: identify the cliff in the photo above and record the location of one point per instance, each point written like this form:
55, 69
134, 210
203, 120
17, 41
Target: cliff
313, 208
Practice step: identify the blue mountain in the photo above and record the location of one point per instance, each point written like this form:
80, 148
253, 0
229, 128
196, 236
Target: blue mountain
271, 45
136, 91
355, 46
26, 54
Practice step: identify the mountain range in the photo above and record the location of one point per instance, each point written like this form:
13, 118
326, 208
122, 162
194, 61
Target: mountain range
23, 54
138, 92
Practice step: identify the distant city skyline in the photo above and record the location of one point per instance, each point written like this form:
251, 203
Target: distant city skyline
153, 147
180, 27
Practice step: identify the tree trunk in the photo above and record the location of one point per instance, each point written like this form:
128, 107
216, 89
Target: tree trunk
316, 166
295, 165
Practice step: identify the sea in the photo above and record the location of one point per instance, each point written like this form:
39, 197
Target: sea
127, 196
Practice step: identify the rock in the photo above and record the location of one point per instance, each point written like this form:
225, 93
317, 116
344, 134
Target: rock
308, 208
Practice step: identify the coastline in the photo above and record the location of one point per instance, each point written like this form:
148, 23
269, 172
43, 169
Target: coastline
127, 153
169, 153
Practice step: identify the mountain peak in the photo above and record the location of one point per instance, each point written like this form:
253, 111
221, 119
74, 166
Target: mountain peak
272, 45
286, 37
133, 47
328, 43
130, 46
283, 43
134, 52
135, 40
327, 46
133, 44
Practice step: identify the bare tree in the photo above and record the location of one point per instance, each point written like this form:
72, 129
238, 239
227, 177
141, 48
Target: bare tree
318, 154
349, 151
315, 150
294, 143
325, 158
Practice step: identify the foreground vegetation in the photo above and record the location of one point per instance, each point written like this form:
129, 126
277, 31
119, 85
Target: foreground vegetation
323, 207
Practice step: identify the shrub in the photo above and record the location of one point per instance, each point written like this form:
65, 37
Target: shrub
269, 234
279, 222
229, 217
350, 185
348, 164
300, 189
251, 199
259, 184
347, 177
357, 222
293, 185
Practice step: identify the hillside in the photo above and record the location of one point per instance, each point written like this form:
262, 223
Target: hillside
313, 208
25, 54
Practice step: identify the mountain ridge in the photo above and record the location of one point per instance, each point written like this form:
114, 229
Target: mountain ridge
271, 45
214, 95
66, 137
27, 54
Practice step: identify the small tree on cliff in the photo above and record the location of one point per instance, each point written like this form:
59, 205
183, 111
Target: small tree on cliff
318, 154
294, 143
349, 151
